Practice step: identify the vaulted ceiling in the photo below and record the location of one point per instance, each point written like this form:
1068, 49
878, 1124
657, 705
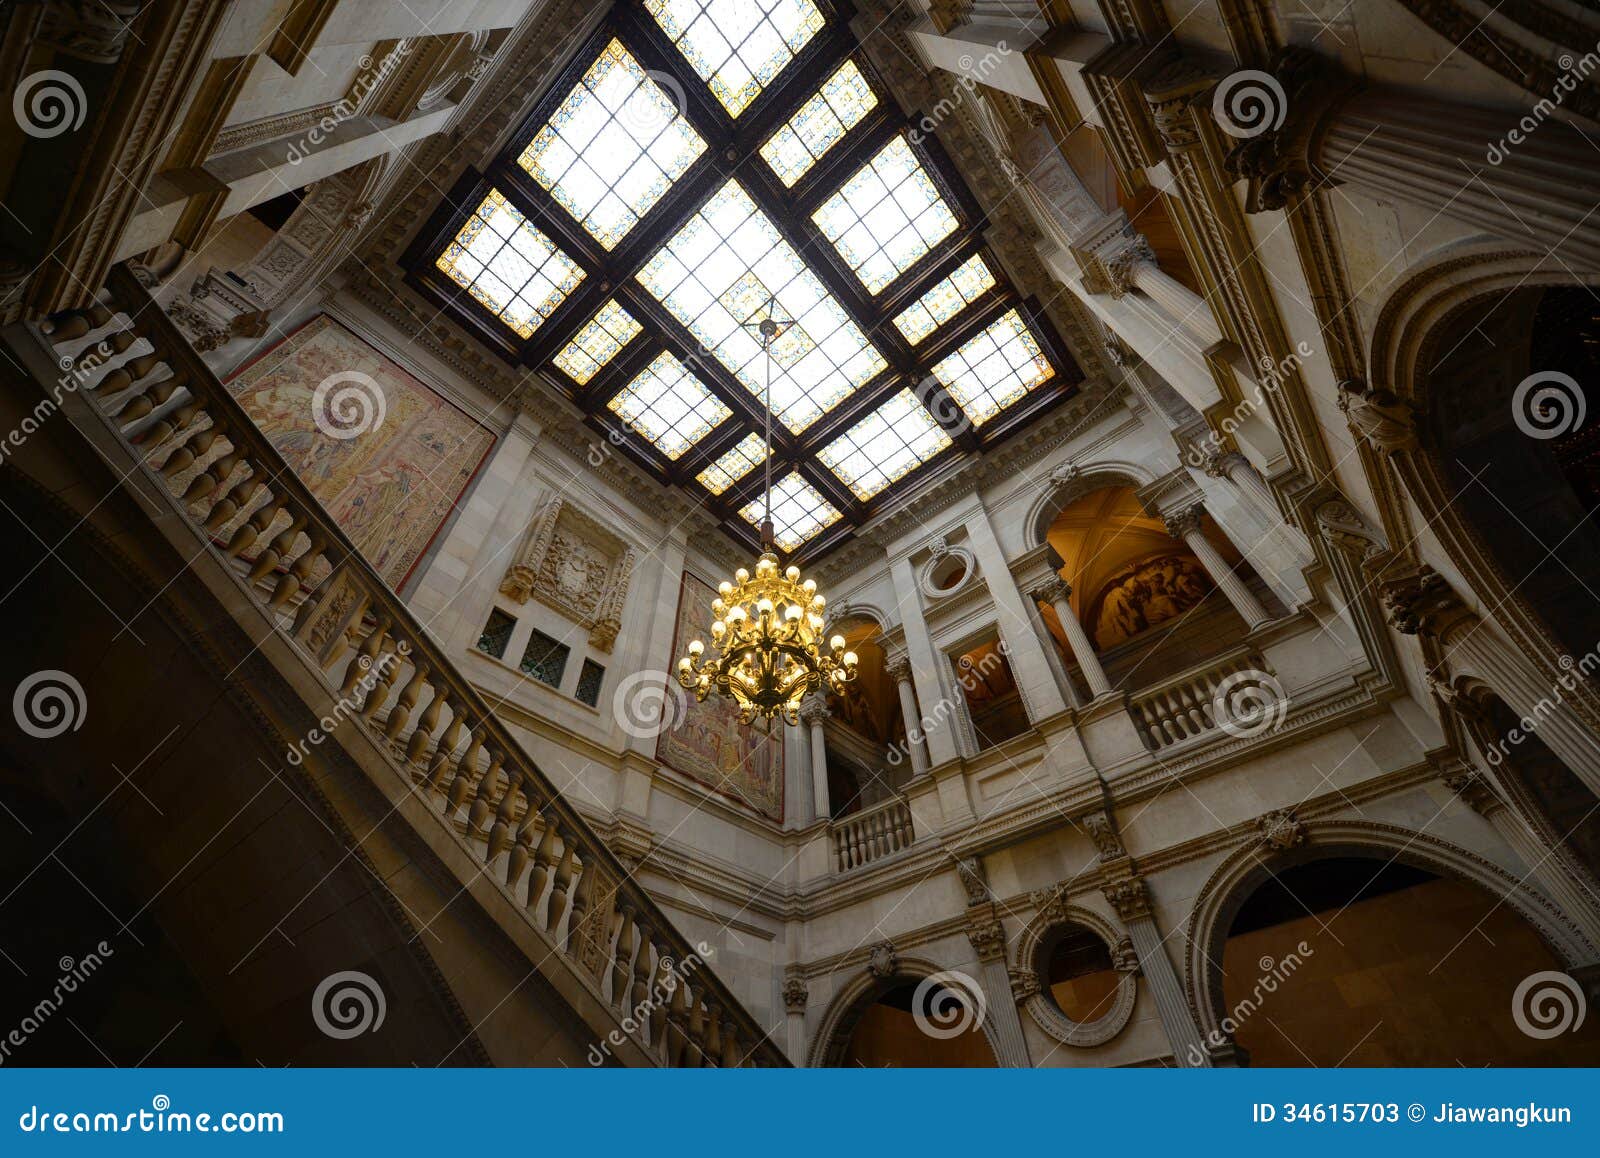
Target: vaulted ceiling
698, 166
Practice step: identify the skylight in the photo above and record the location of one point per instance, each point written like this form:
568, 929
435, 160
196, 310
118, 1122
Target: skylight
885, 445
886, 216
821, 123
798, 511
749, 453
613, 148
669, 406
513, 269
720, 269
737, 46
995, 368
945, 300
597, 343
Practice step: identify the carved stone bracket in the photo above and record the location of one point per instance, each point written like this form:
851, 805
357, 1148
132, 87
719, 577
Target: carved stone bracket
795, 993
1379, 417
1281, 830
1103, 832
1421, 602
1277, 162
882, 961
970, 870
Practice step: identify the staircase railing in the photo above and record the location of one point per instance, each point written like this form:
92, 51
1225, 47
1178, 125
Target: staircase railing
167, 405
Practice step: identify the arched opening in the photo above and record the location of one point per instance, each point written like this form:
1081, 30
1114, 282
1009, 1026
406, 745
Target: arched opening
865, 731
1506, 411
1146, 603
1362, 959
914, 1024
989, 689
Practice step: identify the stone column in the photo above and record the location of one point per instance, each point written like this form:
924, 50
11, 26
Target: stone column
795, 993
1421, 602
1237, 469
1130, 264
900, 672
814, 711
1450, 158
1057, 592
939, 735
798, 802
1131, 900
1545, 871
988, 939
1185, 525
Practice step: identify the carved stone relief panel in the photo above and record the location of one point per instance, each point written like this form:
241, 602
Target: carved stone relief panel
569, 562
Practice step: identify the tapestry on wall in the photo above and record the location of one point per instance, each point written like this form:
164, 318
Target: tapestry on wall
395, 464
706, 741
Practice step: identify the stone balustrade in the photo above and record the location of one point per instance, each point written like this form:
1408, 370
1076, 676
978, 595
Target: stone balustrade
1234, 693
871, 834
142, 376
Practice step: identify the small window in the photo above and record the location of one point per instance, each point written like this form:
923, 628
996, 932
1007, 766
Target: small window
496, 634
545, 659
589, 677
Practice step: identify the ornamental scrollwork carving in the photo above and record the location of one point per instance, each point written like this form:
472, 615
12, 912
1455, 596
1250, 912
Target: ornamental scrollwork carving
569, 562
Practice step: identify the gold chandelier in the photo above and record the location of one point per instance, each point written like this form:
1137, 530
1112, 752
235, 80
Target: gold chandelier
767, 627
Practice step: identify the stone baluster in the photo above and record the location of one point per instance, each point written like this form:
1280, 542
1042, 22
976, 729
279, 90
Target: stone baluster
544, 863
440, 768
466, 771
1187, 526
622, 963
561, 881
1057, 592
500, 835
407, 700
483, 800
417, 745
298, 573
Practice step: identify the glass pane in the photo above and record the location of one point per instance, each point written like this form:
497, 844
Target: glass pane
750, 453
798, 511
820, 124
589, 677
545, 659
737, 46
885, 445
513, 269
668, 406
945, 300
721, 268
613, 148
994, 369
597, 343
886, 216
496, 634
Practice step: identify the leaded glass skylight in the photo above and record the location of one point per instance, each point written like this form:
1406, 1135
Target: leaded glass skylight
750, 453
945, 300
737, 46
885, 445
720, 269
669, 406
995, 368
613, 148
886, 216
835, 109
798, 511
518, 273
597, 343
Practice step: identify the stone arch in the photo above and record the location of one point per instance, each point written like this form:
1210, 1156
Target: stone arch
1242, 872
1069, 482
1042, 1007
845, 1010
1405, 344
862, 609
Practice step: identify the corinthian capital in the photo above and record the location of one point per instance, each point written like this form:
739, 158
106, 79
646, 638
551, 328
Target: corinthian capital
1181, 524
1053, 590
1421, 602
1273, 119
